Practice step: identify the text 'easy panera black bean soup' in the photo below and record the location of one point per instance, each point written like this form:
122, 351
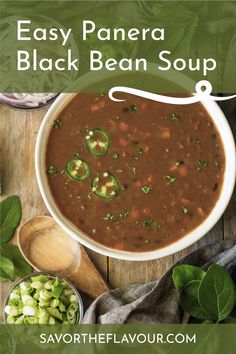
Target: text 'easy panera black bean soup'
134, 175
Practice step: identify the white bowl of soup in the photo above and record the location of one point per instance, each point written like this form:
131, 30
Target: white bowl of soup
135, 180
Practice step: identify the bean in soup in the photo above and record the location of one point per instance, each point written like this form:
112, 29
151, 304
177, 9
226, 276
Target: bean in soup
135, 175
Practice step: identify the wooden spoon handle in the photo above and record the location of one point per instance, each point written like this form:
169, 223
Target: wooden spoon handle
87, 278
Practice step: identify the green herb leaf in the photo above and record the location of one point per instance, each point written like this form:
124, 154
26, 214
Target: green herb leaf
52, 171
201, 164
10, 216
175, 116
6, 269
133, 108
179, 162
115, 156
185, 273
171, 179
57, 124
189, 300
22, 268
138, 153
185, 209
146, 189
116, 218
150, 224
216, 293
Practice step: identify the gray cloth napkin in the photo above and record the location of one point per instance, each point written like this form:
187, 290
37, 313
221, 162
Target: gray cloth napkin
156, 302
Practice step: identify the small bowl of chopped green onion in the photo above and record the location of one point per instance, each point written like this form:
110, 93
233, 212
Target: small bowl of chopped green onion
43, 298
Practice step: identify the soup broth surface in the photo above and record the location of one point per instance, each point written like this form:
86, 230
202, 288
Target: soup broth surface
142, 174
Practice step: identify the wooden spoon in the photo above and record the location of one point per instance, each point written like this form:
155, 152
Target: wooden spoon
47, 248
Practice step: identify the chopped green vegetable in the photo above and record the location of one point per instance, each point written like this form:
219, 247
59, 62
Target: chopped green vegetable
42, 278
98, 142
146, 189
77, 170
201, 164
116, 218
185, 209
179, 162
57, 124
52, 171
133, 107
105, 186
48, 304
171, 179
115, 156
138, 153
150, 224
175, 116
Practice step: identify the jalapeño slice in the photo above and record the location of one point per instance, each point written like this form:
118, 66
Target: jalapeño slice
98, 142
77, 169
105, 186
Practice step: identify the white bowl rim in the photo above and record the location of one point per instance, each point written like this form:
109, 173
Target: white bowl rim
196, 234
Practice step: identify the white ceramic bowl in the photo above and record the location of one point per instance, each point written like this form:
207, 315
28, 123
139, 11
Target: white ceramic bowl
226, 192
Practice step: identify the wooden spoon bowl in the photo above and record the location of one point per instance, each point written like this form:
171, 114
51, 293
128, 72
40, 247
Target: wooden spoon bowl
47, 248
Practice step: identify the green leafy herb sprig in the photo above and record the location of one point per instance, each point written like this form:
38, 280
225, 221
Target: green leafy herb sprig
12, 264
207, 296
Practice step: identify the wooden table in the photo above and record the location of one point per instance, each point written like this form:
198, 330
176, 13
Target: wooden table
17, 138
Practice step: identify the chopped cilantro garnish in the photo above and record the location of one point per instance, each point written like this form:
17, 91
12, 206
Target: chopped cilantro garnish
138, 153
146, 189
146, 241
115, 156
150, 224
185, 209
57, 124
116, 218
201, 164
52, 171
179, 162
174, 116
170, 179
133, 108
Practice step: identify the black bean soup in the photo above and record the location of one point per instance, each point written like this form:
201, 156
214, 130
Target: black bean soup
134, 175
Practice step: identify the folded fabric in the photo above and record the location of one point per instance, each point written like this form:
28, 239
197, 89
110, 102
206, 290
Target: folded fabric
157, 302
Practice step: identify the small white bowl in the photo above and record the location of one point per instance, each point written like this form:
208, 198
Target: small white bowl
193, 236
